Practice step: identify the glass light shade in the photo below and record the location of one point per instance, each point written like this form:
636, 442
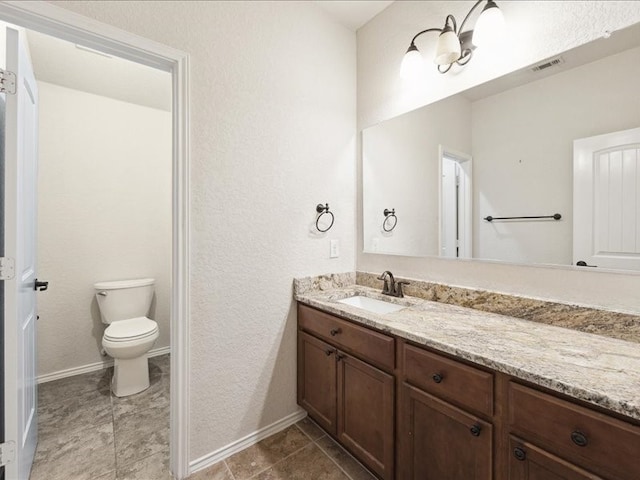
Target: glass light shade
448, 49
490, 27
413, 65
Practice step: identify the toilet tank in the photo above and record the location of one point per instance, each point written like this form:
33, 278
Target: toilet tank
124, 299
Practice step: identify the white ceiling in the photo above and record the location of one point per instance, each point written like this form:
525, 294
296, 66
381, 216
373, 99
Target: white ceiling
63, 63
353, 14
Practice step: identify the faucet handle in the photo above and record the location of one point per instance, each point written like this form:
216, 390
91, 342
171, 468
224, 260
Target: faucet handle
399, 284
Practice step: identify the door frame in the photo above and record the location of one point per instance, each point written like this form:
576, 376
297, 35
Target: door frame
465, 200
66, 25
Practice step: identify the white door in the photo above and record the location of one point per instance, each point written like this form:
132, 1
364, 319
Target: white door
606, 200
449, 211
455, 203
20, 313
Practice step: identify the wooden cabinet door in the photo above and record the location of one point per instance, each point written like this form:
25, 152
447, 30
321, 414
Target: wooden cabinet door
439, 441
528, 462
366, 413
317, 380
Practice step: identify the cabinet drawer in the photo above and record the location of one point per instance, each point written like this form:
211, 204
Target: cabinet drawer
528, 462
374, 347
454, 381
596, 441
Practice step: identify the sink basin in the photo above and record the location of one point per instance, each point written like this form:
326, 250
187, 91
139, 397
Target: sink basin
371, 304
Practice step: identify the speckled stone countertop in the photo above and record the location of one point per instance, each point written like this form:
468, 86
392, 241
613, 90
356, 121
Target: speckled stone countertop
624, 326
599, 370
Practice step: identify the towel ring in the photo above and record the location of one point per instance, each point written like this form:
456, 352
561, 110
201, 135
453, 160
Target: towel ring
387, 215
322, 210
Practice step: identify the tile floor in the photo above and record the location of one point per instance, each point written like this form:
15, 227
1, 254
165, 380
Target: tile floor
300, 452
86, 433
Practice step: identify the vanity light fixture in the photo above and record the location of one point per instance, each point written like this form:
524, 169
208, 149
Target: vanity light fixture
454, 45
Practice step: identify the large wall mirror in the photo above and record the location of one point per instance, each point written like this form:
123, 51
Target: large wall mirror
559, 140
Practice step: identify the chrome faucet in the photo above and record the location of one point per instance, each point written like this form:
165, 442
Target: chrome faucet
390, 286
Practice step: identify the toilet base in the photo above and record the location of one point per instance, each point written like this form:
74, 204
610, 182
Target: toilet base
130, 376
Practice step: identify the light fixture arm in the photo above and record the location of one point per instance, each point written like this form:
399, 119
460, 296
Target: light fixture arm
424, 31
468, 15
453, 20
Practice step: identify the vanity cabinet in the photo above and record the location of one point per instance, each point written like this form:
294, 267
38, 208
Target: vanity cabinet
442, 428
342, 384
412, 413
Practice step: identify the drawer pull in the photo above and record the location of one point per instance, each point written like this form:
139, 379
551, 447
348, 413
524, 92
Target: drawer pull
437, 377
579, 438
335, 332
520, 454
475, 430
328, 351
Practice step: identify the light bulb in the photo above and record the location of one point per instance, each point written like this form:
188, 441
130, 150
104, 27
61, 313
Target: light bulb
413, 65
448, 49
490, 27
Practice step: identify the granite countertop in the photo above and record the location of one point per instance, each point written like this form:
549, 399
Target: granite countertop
599, 370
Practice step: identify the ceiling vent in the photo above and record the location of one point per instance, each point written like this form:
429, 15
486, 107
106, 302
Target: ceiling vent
548, 64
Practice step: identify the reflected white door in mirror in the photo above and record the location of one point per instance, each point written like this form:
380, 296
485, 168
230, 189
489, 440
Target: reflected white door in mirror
606, 201
455, 204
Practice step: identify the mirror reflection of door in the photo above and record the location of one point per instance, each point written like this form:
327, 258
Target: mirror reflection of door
449, 222
455, 204
606, 202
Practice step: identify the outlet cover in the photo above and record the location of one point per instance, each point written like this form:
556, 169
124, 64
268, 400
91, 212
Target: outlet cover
334, 249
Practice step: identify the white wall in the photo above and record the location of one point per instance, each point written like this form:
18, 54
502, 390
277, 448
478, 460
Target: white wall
523, 154
272, 135
401, 161
104, 213
537, 30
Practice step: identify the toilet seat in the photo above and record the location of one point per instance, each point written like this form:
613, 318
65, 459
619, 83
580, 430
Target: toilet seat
137, 328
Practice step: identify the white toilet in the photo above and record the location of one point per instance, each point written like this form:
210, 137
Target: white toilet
130, 334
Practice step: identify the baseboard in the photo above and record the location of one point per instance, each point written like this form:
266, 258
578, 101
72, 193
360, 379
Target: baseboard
92, 367
251, 439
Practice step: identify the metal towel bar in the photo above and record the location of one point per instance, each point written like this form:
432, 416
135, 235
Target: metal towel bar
555, 216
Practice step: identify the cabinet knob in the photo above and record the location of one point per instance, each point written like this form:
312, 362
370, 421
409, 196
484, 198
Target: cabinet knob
579, 438
520, 454
475, 430
437, 377
335, 332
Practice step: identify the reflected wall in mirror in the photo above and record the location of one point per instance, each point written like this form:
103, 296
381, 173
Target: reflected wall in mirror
506, 149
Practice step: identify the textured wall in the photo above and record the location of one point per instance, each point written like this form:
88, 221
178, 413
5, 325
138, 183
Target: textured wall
104, 213
537, 30
273, 134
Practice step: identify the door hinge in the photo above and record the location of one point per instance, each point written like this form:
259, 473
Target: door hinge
7, 268
7, 82
7, 453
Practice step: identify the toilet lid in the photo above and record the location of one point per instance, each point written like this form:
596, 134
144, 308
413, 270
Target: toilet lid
130, 329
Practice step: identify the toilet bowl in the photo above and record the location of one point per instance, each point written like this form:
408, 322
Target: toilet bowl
129, 335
